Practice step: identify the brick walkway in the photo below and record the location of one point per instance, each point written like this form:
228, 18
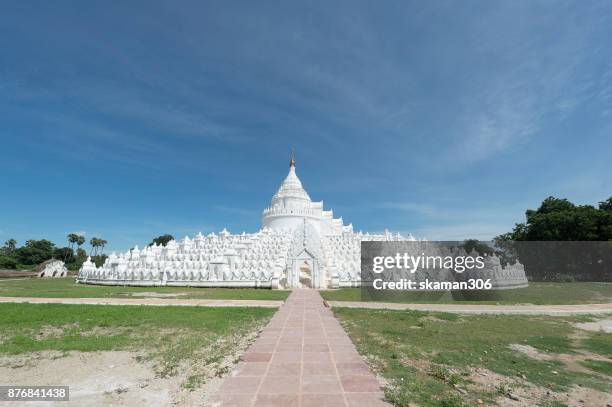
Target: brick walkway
302, 358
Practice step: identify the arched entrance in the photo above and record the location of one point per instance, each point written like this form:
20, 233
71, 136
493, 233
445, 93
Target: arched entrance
305, 275
304, 272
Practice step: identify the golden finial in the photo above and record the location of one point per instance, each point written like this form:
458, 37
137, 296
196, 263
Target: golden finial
292, 161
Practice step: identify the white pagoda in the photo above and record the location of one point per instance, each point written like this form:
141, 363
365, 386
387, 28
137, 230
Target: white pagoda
299, 245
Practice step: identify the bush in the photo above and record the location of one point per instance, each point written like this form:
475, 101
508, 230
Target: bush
8, 263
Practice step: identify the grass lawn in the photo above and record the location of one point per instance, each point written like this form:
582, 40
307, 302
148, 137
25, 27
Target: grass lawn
167, 335
67, 288
434, 359
536, 293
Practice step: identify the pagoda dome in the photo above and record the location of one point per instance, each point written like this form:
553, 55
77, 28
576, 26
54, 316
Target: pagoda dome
291, 206
290, 190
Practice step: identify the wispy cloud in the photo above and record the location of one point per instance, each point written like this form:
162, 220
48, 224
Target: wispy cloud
542, 82
161, 115
413, 103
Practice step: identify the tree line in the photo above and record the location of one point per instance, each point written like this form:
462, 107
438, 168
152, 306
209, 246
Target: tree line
34, 252
562, 241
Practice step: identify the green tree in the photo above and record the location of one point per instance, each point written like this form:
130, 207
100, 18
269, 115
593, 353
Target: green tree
99, 260
35, 252
9, 247
102, 243
7, 262
476, 245
162, 240
95, 243
560, 220
80, 241
606, 205
65, 253
81, 254
72, 239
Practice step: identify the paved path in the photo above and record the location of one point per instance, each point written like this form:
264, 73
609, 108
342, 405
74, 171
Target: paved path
552, 310
194, 302
302, 358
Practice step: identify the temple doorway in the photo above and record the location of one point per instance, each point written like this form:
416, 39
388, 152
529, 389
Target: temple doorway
305, 275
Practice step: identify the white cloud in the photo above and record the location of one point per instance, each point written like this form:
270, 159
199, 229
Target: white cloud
541, 82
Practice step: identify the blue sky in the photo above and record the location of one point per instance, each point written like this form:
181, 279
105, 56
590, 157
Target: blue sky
447, 119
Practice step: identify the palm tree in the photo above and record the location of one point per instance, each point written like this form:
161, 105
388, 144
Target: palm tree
72, 239
80, 241
94, 242
10, 245
102, 243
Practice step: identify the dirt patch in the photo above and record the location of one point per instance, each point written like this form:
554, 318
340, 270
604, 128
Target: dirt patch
518, 392
530, 351
582, 396
48, 331
431, 318
602, 325
104, 331
124, 377
147, 294
28, 359
420, 364
16, 275
577, 336
571, 361
96, 378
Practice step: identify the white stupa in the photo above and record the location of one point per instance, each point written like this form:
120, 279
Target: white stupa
299, 245
291, 207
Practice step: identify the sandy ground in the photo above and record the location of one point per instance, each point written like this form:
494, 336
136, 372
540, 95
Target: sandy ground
603, 325
116, 378
484, 309
152, 294
146, 301
95, 379
521, 393
529, 393
518, 391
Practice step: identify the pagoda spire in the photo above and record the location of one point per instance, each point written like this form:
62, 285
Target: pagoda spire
292, 161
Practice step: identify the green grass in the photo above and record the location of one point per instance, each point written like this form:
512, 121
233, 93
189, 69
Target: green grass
424, 356
536, 293
167, 335
601, 343
600, 366
67, 288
